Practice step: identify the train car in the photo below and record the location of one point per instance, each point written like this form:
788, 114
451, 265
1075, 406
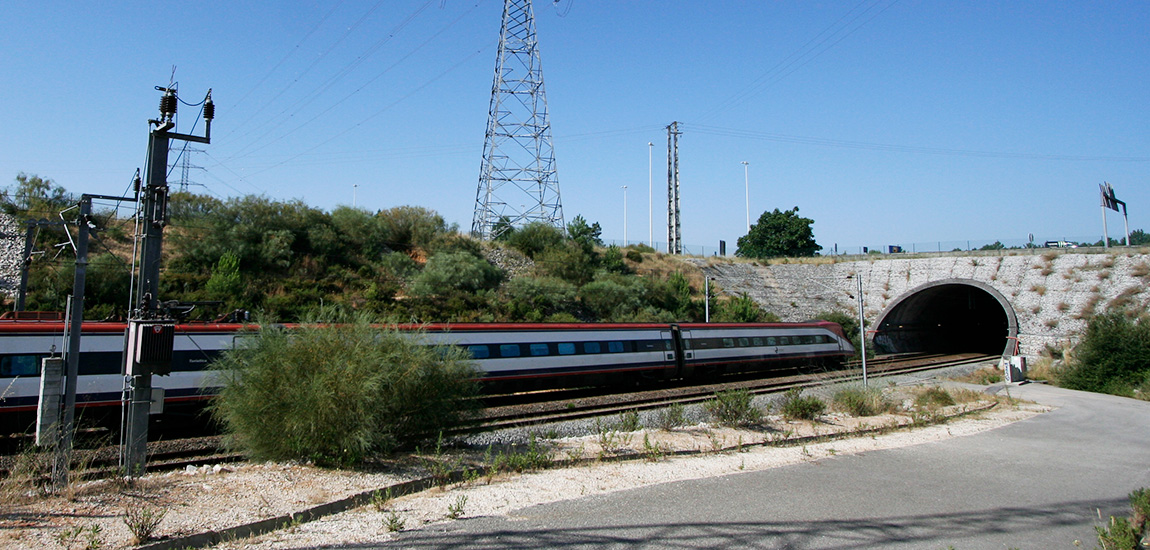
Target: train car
100, 386
513, 356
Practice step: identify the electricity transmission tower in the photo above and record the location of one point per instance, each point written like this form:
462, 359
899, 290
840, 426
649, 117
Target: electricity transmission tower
518, 183
186, 166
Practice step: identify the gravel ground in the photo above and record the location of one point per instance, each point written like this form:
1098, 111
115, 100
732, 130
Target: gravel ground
213, 498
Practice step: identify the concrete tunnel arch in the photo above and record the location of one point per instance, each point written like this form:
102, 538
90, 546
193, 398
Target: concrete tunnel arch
948, 316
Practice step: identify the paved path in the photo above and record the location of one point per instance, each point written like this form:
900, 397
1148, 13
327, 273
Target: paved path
1035, 484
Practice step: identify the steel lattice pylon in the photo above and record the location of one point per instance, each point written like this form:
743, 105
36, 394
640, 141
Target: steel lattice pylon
518, 183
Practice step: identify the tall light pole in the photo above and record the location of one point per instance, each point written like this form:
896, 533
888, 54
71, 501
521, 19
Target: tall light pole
747, 184
624, 215
354, 188
650, 198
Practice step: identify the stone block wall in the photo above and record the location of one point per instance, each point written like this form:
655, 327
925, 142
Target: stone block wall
1052, 292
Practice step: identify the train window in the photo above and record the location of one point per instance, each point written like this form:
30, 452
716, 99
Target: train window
539, 349
808, 339
667, 345
590, 347
104, 362
566, 349
728, 342
784, 340
509, 350
771, 341
614, 347
19, 365
757, 341
686, 344
479, 351
743, 342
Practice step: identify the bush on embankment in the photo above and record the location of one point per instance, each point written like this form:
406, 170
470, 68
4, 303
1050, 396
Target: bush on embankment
337, 393
1112, 357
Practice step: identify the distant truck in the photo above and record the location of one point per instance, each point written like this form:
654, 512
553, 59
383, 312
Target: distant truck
1060, 244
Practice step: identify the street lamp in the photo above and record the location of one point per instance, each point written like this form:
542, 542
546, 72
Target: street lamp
624, 215
354, 187
747, 184
650, 199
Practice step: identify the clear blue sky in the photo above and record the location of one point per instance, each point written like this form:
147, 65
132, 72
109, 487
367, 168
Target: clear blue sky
886, 122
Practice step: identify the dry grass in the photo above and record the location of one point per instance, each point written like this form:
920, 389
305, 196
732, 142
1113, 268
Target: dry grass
1042, 369
1141, 270
658, 265
1124, 299
984, 376
1089, 307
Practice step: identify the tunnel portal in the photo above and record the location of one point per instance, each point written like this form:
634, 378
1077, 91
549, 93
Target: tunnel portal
949, 316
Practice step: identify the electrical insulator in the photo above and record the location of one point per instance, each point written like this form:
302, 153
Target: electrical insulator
168, 105
209, 107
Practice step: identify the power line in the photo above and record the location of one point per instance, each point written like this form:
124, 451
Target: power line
847, 144
284, 120
806, 53
283, 117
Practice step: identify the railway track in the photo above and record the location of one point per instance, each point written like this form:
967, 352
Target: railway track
568, 408
103, 462
534, 409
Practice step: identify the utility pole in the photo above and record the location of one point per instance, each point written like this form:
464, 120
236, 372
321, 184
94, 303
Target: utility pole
747, 184
154, 216
73, 330
650, 196
624, 216
674, 231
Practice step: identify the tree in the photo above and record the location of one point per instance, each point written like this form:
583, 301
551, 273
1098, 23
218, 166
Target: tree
35, 197
1139, 238
777, 234
586, 236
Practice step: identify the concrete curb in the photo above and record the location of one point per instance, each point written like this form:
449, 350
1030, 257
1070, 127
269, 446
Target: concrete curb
209, 538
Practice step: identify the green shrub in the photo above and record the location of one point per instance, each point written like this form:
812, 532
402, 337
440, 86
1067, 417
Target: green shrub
534, 238
796, 406
1123, 534
671, 417
1112, 357
733, 408
613, 297
861, 402
740, 309
629, 422
534, 299
455, 271
568, 261
336, 394
612, 261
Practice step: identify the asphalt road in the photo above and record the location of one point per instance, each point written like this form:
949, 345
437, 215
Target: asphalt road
1036, 484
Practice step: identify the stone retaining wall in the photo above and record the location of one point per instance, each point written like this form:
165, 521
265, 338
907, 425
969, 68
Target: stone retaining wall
1051, 291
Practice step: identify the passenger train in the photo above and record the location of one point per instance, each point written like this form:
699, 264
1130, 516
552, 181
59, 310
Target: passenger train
506, 355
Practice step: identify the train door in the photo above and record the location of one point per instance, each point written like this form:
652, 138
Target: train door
681, 350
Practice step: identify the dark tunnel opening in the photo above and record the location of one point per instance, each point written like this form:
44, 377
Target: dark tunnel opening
950, 317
